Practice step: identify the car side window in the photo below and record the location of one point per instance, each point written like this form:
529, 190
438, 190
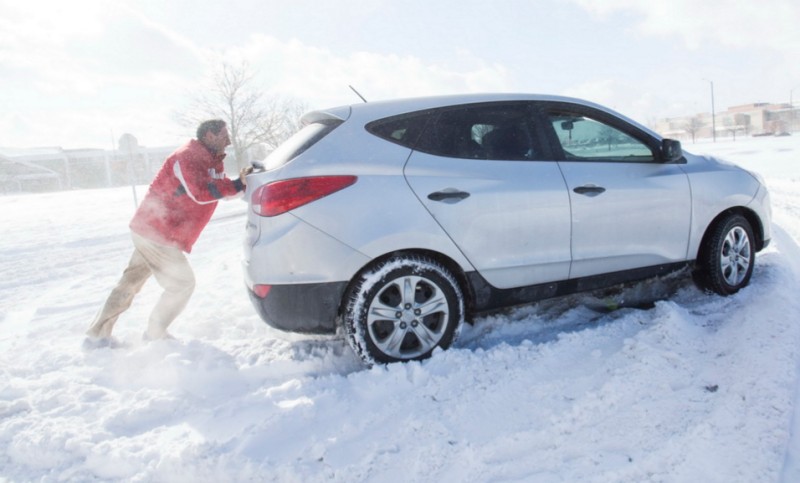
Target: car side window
492, 131
586, 139
404, 129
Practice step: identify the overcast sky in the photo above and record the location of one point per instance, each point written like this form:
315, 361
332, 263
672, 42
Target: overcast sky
80, 73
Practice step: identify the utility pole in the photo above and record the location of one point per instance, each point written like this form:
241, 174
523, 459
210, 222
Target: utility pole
128, 142
713, 114
791, 107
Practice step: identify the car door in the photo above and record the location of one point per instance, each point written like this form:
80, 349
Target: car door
479, 172
629, 209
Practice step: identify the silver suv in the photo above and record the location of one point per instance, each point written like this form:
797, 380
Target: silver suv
395, 221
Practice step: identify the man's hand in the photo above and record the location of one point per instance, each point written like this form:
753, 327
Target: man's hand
243, 174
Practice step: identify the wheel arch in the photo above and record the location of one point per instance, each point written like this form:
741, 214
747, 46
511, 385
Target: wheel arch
448, 263
755, 224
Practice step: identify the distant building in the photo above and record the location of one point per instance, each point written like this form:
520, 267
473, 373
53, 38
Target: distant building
30, 169
759, 119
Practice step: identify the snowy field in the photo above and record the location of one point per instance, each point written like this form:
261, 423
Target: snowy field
690, 388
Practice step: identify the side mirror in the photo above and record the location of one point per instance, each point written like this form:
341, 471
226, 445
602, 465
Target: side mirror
671, 151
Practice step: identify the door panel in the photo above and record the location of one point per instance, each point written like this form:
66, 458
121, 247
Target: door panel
629, 210
642, 218
511, 219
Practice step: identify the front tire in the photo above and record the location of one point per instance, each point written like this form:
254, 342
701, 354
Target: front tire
726, 260
402, 309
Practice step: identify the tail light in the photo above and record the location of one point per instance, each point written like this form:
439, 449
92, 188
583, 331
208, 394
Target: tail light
278, 197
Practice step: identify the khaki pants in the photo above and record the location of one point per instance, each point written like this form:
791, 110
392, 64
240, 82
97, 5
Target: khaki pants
171, 270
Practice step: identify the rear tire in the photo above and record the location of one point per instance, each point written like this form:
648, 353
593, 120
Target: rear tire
402, 309
726, 259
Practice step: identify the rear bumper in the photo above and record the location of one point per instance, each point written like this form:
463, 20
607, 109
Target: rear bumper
307, 308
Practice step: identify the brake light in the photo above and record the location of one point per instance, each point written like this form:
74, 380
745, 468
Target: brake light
278, 197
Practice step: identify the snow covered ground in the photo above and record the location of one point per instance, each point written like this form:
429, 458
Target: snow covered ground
691, 388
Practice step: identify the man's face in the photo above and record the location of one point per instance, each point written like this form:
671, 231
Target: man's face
217, 142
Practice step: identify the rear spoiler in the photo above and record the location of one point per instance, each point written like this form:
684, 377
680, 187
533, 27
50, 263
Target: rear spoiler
337, 115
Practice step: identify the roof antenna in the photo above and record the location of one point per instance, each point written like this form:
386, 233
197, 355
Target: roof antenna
357, 93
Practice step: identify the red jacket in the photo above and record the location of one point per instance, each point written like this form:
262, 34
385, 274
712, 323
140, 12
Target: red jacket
183, 196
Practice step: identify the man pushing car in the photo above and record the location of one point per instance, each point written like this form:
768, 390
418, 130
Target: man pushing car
176, 208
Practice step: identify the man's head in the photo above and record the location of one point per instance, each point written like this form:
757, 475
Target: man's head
214, 135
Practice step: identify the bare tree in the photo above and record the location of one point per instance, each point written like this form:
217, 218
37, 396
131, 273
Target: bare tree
693, 126
256, 122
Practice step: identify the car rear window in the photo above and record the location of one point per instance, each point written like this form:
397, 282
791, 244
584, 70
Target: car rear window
299, 142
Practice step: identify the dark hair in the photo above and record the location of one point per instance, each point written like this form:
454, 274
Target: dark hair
213, 125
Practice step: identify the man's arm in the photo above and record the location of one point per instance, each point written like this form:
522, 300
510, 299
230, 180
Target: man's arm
202, 187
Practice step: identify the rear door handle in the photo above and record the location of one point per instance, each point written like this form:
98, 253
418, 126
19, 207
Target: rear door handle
449, 195
589, 190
